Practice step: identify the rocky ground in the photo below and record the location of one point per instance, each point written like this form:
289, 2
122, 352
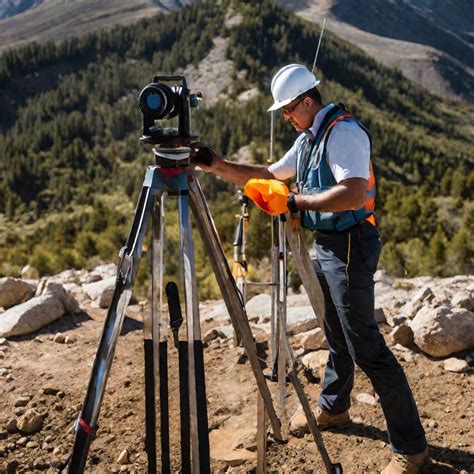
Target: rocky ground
44, 375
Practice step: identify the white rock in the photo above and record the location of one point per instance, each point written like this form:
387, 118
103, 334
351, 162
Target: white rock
247, 441
443, 330
30, 422
87, 277
314, 361
226, 332
382, 276
123, 457
60, 338
221, 441
366, 398
215, 311
259, 307
456, 365
105, 271
70, 304
14, 291
300, 299
421, 297
463, 299
101, 292
37, 312
300, 319
313, 340
402, 334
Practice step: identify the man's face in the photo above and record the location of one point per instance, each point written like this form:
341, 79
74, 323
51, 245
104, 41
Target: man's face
300, 113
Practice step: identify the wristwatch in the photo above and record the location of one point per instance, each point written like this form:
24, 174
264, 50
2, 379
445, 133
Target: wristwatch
292, 207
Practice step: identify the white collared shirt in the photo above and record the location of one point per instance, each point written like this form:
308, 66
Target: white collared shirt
347, 151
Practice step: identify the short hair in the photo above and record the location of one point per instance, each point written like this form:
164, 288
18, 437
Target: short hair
314, 94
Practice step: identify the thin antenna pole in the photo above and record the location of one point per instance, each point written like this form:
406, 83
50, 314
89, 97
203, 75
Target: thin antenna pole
272, 135
319, 44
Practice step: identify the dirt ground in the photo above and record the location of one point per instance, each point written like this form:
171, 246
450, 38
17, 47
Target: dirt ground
33, 363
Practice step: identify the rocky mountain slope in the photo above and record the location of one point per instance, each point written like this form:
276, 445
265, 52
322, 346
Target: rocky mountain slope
58, 20
430, 42
44, 375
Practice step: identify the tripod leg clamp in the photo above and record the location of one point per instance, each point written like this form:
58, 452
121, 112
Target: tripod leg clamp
124, 265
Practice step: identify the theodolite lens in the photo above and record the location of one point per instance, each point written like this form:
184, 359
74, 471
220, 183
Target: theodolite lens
159, 101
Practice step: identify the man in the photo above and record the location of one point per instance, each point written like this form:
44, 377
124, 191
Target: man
335, 199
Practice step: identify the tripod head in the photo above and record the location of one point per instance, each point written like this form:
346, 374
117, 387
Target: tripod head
167, 97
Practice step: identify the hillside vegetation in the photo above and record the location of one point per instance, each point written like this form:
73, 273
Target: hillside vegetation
72, 164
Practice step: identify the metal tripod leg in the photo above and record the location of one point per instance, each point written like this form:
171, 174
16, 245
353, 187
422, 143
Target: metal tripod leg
197, 392
160, 338
234, 304
281, 311
151, 336
126, 273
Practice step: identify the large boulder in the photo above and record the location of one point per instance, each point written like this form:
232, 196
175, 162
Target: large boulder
314, 362
259, 307
421, 298
312, 340
443, 330
14, 291
101, 292
300, 319
37, 312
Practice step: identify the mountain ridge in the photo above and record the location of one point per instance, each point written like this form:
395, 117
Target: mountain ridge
409, 23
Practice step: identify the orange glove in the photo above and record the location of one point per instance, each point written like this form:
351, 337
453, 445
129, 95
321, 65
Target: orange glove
270, 195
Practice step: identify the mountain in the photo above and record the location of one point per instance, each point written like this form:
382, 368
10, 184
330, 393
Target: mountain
10, 8
72, 163
55, 20
431, 42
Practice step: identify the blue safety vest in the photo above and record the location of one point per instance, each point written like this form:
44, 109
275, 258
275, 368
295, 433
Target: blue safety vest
314, 175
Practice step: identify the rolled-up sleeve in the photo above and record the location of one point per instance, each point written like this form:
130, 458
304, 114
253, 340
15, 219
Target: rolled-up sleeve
348, 151
286, 167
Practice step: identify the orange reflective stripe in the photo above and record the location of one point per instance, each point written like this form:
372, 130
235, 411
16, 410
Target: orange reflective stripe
371, 220
336, 120
370, 205
370, 198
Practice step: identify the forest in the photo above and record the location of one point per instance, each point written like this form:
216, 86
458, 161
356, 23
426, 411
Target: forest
72, 164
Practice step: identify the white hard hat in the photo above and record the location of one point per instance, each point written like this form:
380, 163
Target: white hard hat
289, 82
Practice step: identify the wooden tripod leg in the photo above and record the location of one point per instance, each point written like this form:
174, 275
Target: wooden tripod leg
261, 436
312, 423
306, 270
234, 304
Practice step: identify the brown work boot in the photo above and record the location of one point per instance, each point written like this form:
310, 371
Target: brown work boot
326, 420
406, 463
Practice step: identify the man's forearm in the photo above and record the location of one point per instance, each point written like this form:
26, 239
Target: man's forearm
239, 173
342, 197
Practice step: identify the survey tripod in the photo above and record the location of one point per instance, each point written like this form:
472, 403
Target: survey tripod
172, 175
285, 230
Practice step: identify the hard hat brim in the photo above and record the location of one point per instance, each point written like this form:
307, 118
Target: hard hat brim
279, 105
282, 103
